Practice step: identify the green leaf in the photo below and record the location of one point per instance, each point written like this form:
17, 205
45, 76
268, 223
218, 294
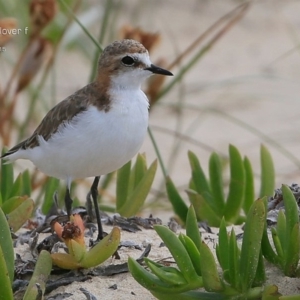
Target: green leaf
65, 261
7, 247
271, 293
26, 188
210, 276
260, 276
7, 179
192, 229
179, 253
5, 280
291, 210
267, 173
267, 249
150, 281
12, 203
179, 206
192, 251
278, 246
280, 233
20, 215
17, 187
123, 176
107, 208
135, 201
222, 249
226, 276
40, 275
52, 186
216, 184
292, 238
203, 210
198, 176
234, 259
251, 245
139, 169
249, 193
76, 250
168, 275
107, 180
137, 173
191, 295
153, 283
103, 250
292, 253
236, 187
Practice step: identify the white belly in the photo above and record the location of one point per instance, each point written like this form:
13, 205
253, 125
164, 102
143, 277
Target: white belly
95, 143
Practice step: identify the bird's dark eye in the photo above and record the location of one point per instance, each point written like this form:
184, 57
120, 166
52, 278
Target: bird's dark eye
128, 60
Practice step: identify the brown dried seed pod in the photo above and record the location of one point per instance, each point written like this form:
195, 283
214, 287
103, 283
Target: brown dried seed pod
148, 39
71, 231
41, 14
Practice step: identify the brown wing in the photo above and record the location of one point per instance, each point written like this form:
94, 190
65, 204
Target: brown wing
58, 115
63, 112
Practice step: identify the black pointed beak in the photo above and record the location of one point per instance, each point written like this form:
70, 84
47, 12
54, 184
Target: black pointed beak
157, 70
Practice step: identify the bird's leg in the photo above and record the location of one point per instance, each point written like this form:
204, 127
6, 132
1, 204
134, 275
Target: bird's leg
68, 201
94, 193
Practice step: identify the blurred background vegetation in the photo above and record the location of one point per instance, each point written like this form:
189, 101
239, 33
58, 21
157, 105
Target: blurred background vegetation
236, 67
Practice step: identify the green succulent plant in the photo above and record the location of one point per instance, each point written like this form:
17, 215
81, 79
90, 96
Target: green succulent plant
42, 269
78, 256
14, 196
242, 275
285, 237
133, 185
208, 196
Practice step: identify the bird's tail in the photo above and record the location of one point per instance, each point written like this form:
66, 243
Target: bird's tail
6, 158
9, 154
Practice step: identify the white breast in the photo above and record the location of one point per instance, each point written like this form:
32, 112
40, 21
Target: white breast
95, 142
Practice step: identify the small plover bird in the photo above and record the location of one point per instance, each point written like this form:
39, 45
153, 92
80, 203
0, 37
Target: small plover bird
100, 127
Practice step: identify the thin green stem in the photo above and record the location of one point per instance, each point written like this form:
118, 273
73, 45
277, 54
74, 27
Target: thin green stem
81, 25
159, 157
182, 71
103, 26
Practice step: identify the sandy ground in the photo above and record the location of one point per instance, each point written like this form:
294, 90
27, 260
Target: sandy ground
252, 74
